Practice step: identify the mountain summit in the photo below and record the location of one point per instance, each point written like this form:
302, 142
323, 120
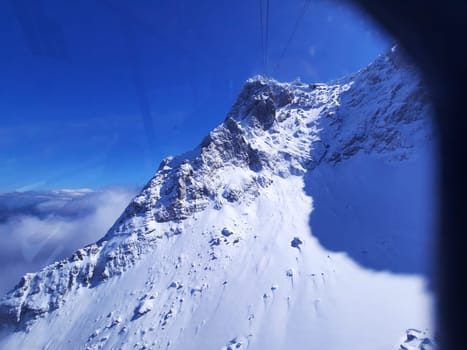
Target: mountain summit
296, 223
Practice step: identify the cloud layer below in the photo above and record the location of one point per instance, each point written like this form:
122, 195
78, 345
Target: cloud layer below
37, 228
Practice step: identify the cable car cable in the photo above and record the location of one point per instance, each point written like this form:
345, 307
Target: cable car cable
266, 44
302, 13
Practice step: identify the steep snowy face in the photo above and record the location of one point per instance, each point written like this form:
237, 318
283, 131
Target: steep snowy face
281, 129
185, 255
268, 132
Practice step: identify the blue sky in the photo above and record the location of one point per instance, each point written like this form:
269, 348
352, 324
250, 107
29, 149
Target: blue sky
96, 92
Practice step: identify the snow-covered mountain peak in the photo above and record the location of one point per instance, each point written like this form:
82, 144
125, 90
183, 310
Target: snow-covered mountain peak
235, 209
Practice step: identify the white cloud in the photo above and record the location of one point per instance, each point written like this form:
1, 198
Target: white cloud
37, 228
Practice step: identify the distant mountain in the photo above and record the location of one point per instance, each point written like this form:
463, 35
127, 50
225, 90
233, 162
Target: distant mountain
301, 222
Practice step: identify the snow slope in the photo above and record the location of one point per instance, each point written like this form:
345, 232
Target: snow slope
286, 228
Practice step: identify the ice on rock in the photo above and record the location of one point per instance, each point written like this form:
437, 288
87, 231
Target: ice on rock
146, 305
417, 340
226, 232
176, 285
296, 243
236, 343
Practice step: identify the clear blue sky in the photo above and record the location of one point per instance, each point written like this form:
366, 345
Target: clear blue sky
96, 92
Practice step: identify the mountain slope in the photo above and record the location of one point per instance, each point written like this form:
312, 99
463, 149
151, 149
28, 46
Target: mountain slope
220, 249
